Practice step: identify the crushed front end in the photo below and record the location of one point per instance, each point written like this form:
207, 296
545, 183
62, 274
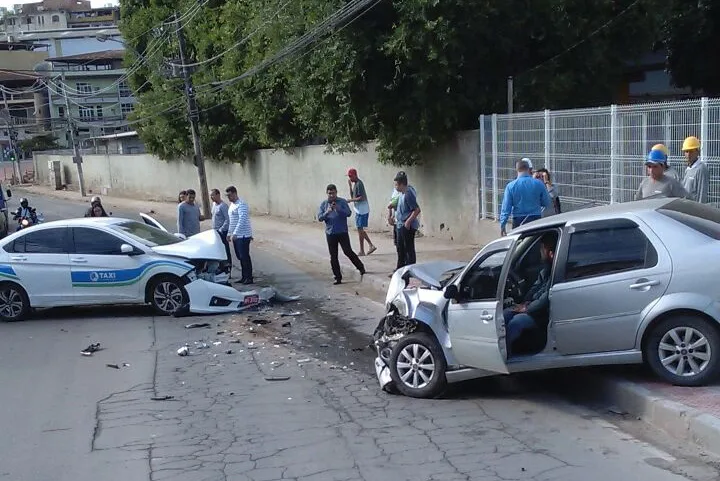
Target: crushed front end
393, 327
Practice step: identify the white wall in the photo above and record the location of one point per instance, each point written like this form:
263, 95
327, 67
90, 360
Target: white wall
293, 185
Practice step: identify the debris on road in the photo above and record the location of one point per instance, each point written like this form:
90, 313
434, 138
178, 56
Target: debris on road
217, 343
113, 366
183, 351
196, 325
291, 314
229, 351
287, 324
358, 349
162, 398
277, 378
88, 351
302, 361
234, 341
260, 322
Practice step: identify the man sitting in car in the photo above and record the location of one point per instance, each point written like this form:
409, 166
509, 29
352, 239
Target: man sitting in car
524, 316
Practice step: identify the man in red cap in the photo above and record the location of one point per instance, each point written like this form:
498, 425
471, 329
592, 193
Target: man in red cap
358, 197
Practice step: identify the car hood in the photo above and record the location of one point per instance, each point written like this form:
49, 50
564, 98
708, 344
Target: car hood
205, 245
429, 273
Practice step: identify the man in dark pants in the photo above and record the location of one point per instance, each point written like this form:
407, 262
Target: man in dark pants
406, 221
524, 198
335, 212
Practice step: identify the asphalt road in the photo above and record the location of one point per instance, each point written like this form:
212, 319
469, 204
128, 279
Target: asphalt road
283, 401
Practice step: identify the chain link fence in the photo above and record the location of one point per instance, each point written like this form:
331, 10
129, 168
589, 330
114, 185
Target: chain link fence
595, 155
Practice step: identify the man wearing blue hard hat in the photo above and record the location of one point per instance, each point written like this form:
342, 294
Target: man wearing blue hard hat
657, 183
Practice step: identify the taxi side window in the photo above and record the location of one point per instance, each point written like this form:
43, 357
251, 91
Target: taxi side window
95, 242
46, 241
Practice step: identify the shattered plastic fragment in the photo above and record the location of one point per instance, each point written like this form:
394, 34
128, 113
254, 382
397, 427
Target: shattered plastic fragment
260, 322
183, 351
162, 398
217, 343
287, 324
196, 325
277, 378
114, 366
300, 361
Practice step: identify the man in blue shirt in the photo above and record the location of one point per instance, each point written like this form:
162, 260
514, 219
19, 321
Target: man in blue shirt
335, 212
525, 198
406, 221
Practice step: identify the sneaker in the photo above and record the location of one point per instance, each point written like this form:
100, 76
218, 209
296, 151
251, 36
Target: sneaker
372, 249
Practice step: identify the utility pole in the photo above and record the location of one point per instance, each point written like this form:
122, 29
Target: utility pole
194, 119
12, 136
510, 94
77, 158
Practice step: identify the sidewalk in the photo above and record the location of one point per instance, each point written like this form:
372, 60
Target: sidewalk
689, 414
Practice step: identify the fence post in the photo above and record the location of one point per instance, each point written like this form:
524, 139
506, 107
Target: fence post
613, 153
704, 128
547, 141
481, 166
496, 190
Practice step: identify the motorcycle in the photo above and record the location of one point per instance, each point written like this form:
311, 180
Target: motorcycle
27, 221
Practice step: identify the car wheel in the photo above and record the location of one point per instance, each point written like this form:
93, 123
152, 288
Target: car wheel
684, 350
417, 366
167, 295
14, 302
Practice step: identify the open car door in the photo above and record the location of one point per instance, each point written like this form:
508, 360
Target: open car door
150, 221
475, 316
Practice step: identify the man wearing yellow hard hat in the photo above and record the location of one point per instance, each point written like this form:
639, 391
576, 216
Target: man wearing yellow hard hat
669, 171
697, 177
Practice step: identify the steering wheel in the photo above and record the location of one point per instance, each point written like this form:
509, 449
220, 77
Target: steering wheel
512, 286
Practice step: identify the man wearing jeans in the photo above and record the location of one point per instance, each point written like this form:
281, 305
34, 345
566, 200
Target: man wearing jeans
406, 221
221, 221
335, 212
240, 233
523, 316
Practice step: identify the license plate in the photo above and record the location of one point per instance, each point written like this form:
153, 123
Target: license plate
250, 300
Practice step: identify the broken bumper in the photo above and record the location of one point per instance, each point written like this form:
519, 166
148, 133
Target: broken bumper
391, 328
206, 297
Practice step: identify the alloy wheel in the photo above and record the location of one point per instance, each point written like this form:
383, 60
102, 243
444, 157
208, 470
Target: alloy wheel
168, 296
415, 366
11, 303
684, 351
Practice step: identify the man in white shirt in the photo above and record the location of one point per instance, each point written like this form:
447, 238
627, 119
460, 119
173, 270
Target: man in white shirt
221, 221
240, 233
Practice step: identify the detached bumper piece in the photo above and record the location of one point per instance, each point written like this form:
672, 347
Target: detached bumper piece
211, 298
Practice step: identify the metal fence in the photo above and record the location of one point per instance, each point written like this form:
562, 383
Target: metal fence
596, 155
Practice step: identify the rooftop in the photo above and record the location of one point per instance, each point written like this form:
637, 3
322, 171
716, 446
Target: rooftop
90, 58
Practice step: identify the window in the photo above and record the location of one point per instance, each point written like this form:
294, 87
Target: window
702, 218
55, 18
145, 234
45, 241
126, 108
95, 242
83, 87
61, 112
124, 89
481, 280
99, 111
609, 250
86, 112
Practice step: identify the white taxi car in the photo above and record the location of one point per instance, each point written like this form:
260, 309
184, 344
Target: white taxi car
101, 260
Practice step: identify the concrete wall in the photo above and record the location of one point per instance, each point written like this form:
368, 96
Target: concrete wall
292, 186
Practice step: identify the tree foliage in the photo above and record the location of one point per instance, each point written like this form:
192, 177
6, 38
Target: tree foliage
690, 37
39, 143
408, 73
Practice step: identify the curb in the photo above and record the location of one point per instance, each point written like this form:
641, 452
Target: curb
678, 420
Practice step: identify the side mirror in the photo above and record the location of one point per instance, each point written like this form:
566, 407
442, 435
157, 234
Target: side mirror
127, 249
9, 194
451, 292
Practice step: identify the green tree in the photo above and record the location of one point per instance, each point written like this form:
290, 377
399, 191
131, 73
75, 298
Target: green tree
690, 37
408, 74
39, 143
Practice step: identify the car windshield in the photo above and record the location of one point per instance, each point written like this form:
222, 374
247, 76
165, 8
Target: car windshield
145, 234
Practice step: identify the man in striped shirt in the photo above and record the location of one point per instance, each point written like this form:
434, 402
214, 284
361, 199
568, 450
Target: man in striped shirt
240, 233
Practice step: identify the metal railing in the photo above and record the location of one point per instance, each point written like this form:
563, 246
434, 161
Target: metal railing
594, 155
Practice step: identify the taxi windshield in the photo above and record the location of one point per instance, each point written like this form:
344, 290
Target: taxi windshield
145, 234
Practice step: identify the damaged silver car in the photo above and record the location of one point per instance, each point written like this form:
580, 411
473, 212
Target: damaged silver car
621, 286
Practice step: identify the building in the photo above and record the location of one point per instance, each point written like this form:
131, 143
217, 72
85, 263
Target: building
122, 143
98, 95
23, 101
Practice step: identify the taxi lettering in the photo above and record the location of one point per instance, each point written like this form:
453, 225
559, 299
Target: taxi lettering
102, 276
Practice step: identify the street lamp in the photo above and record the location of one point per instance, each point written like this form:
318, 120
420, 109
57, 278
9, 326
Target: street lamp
103, 37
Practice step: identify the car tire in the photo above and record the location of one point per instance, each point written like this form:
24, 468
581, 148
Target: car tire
14, 302
684, 350
167, 294
418, 366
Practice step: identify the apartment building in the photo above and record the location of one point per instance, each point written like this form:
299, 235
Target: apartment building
99, 98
